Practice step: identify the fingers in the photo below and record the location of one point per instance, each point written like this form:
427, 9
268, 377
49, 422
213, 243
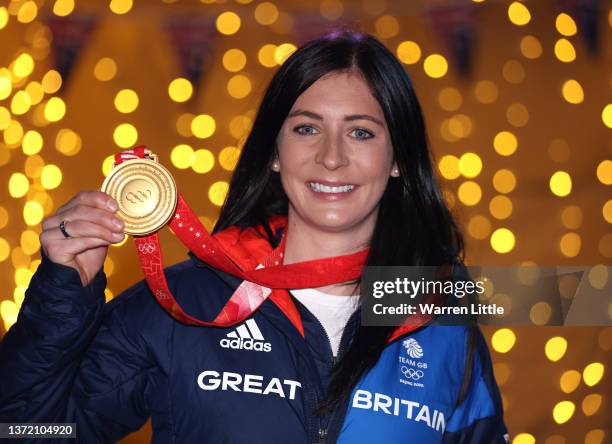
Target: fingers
79, 229
90, 198
61, 251
99, 216
90, 223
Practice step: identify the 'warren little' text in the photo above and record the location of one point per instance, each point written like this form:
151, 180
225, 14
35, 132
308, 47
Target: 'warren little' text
433, 309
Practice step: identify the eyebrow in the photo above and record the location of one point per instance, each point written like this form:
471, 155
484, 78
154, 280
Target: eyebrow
349, 118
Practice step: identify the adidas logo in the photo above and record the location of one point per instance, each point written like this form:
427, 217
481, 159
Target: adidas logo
247, 336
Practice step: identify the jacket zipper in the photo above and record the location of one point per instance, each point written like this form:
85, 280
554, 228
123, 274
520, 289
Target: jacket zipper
323, 430
343, 340
322, 435
334, 361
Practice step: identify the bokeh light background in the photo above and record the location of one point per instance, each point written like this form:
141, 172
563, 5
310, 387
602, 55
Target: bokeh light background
517, 97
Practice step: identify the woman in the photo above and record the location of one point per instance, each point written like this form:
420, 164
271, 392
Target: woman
339, 147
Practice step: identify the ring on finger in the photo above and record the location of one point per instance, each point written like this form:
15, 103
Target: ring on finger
62, 227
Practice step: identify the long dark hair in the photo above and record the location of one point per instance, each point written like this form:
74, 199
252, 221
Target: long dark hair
414, 226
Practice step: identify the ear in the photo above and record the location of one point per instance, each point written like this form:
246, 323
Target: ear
275, 161
395, 170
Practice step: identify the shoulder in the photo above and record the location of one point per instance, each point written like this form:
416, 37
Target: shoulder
449, 341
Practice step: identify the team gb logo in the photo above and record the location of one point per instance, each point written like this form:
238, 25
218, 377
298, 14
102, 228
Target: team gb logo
413, 348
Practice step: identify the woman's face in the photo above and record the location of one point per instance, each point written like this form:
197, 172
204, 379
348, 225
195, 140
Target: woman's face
335, 155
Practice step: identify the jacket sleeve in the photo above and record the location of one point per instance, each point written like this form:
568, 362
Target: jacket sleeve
479, 417
72, 358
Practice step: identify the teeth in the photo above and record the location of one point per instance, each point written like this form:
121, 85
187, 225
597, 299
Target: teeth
320, 188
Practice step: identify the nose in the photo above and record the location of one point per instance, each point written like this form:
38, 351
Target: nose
331, 153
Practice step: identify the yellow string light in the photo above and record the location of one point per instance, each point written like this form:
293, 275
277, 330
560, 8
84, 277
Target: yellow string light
435, 66
27, 12
217, 192
266, 13
555, 348
228, 23
408, 52
63, 8
524, 438
604, 172
572, 92
180, 90
565, 25
563, 411
182, 156
387, 26
126, 101
203, 126
560, 183
519, 14
531, 47
564, 51
503, 340
121, 7
4, 17
105, 69
569, 381
503, 240
125, 135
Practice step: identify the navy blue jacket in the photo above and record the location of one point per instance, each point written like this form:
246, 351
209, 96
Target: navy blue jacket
109, 367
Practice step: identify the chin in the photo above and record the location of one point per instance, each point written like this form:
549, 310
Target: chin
334, 222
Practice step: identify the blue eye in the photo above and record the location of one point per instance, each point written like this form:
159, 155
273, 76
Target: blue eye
308, 130
305, 130
360, 133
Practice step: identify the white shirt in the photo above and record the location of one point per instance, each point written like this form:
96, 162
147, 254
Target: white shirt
332, 311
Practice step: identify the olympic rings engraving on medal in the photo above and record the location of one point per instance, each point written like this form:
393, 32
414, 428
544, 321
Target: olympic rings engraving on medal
411, 373
139, 196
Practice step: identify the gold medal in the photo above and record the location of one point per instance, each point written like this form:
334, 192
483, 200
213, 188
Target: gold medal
146, 193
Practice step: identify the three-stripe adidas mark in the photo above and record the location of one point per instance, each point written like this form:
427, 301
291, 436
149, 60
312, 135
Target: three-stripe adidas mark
246, 336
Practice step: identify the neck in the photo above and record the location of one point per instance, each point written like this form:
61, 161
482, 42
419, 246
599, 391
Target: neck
305, 242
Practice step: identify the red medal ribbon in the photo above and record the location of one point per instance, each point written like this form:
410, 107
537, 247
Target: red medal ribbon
247, 254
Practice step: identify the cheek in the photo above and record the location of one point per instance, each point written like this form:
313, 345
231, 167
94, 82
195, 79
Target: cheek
377, 166
378, 184
292, 167
375, 172
294, 159
292, 174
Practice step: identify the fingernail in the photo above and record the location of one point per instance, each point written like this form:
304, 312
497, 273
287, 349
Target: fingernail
117, 223
118, 236
112, 205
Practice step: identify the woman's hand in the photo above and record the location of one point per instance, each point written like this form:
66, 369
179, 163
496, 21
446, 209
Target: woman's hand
90, 221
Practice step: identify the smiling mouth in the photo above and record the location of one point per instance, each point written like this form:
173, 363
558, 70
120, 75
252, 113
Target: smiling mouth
321, 188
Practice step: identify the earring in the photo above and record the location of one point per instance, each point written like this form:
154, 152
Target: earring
395, 172
276, 166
